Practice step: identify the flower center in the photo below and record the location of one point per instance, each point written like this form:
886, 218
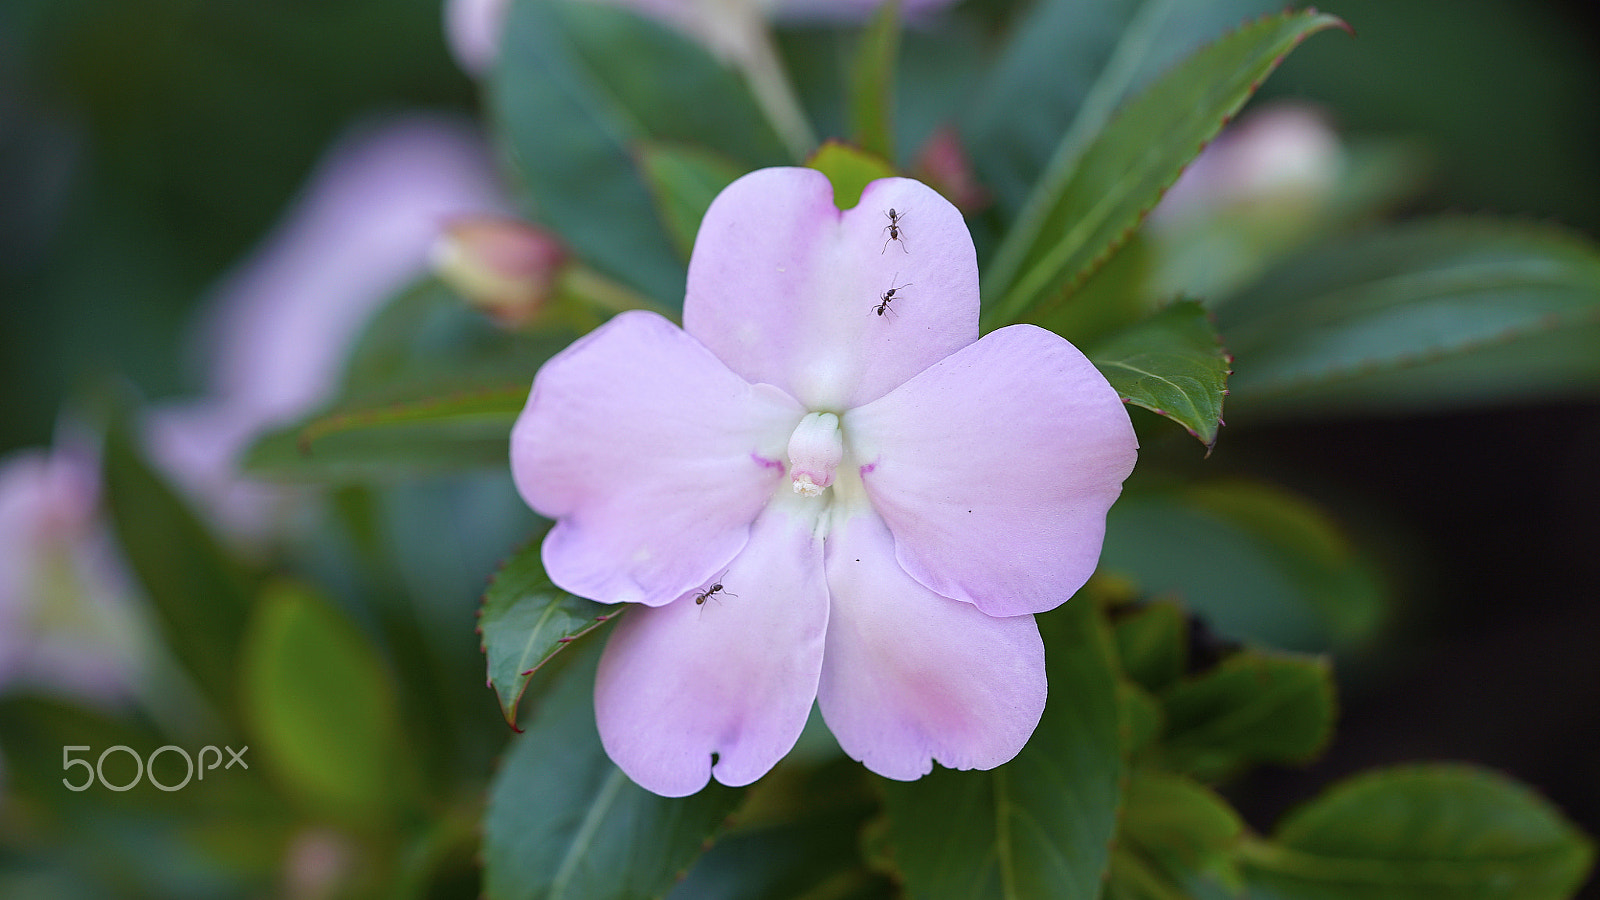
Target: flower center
815, 449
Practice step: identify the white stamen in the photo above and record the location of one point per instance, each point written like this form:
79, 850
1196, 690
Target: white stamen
815, 449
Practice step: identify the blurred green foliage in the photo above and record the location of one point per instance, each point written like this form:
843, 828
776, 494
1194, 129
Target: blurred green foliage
147, 146
144, 147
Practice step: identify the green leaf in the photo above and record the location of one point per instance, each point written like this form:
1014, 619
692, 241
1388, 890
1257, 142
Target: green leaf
577, 88
1259, 563
34, 729
431, 386
1164, 810
684, 180
1123, 171
525, 621
1420, 833
872, 82
1153, 643
323, 710
1132, 877
1420, 316
797, 836
1040, 825
400, 439
1115, 297
1070, 64
1252, 708
1142, 719
200, 596
783, 862
1172, 364
1182, 832
850, 170
428, 341
564, 823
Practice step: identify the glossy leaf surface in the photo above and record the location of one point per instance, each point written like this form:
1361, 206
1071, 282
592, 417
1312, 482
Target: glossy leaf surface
1172, 364
526, 620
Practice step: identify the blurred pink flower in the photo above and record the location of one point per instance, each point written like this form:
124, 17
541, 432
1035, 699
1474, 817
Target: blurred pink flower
473, 26
67, 623
280, 325
1277, 151
824, 487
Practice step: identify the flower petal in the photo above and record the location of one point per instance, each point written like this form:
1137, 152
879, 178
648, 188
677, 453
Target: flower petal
734, 676
911, 677
653, 457
784, 287
994, 469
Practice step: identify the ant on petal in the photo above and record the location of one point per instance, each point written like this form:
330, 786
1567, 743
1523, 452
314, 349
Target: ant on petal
715, 588
894, 231
888, 295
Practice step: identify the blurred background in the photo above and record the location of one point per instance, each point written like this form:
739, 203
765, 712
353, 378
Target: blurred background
146, 148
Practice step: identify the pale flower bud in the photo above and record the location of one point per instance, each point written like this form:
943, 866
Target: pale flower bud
502, 266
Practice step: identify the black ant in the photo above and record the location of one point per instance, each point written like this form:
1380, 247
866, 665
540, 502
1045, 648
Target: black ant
888, 295
706, 594
894, 230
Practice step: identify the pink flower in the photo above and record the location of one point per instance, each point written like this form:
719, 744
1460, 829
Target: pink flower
282, 323
67, 621
883, 498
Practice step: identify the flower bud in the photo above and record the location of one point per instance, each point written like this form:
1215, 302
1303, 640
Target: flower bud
944, 163
502, 266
